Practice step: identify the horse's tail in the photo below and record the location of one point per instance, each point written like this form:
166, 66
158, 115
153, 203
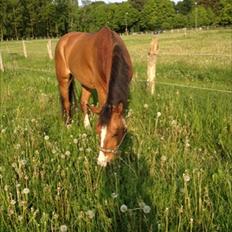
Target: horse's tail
72, 94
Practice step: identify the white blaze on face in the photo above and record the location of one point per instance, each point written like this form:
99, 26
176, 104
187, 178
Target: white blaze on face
86, 122
102, 159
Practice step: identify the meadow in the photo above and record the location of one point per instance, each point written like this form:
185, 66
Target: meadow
174, 171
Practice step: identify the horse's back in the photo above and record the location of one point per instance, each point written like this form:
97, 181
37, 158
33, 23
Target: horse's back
88, 56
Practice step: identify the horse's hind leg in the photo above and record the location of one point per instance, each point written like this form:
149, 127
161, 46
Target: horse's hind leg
85, 95
65, 96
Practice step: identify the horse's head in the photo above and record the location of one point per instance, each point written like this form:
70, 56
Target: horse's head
111, 129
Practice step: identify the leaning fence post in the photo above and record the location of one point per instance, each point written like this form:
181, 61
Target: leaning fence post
151, 64
49, 47
24, 49
1, 63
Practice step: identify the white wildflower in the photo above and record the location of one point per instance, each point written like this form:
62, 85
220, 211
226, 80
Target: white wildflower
88, 150
67, 153
123, 208
26, 191
114, 195
46, 137
163, 158
186, 177
63, 228
146, 209
84, 136
20, 218
158, 114
90, 214
75, 141
12, 202
145, 106
17, 146
23, 162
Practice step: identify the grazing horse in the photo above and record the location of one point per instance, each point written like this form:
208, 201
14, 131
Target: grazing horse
98, 61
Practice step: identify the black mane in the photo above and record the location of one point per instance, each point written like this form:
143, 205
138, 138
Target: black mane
118, 89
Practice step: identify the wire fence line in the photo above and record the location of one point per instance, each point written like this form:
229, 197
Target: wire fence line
218, 55
17, 47
134, 79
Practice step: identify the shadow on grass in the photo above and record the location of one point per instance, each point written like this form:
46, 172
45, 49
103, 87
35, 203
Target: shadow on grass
130, 177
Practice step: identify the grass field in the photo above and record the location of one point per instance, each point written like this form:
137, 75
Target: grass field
174, 173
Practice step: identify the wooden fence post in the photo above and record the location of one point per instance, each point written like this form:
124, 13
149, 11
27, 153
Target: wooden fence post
24, 49
151, 64
49, 47
1, 63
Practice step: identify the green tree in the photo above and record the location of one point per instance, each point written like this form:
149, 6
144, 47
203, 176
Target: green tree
184, 7
225, 14
203, 17
157, 15
137, 4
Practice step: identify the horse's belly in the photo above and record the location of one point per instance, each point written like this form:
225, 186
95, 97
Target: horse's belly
84, 79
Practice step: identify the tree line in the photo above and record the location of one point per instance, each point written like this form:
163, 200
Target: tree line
52, 18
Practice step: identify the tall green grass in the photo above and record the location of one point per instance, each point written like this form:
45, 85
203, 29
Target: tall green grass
174, 172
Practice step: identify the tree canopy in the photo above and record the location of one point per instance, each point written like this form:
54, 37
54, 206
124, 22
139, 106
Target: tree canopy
48, 18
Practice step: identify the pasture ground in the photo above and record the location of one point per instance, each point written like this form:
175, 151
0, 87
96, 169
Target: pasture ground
174, 173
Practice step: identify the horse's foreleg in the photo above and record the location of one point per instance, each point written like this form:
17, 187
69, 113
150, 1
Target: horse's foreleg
101, 102
65, 99
85, 95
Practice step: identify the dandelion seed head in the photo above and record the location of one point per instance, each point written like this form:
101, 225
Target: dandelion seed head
67, 153
163, 158
84, 136
62, 156
23, 162
90, 214
26, 191
158, 114
17, 146
6, 187
55, 216
20, 218
46, 137
146, 209
186, 177
145, 106
173, 122
63, 228
75, 141
123, 208
14, 165
12, 202
88, 150
114, 195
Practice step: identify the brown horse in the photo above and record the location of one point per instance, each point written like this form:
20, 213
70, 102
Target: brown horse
98, 61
